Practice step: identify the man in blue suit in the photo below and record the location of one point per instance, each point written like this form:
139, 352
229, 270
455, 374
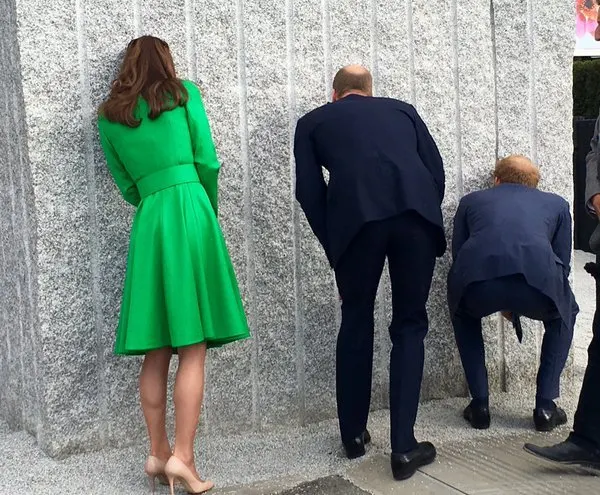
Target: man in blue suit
512, 253
382, 200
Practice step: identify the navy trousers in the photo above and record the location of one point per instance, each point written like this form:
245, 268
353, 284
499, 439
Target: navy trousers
510, 294
409, 243
586, 428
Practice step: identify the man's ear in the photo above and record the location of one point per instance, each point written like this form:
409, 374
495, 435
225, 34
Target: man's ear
335, 96
496, 181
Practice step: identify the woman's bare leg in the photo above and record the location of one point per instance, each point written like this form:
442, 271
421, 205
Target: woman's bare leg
153, 394
189, 393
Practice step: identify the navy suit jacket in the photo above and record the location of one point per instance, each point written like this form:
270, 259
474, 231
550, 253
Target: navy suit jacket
381, 160
513, 229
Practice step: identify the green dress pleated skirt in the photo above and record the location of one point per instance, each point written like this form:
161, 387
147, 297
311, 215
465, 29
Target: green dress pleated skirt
180, 287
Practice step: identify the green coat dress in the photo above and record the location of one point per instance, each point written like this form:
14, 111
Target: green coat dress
180, 286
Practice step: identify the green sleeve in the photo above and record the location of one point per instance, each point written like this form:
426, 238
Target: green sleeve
121, 177
205, 155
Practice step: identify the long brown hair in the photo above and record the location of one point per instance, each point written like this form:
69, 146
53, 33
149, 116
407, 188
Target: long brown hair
148, 71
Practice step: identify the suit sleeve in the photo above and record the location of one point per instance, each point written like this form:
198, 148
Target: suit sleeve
592, 162
205, 155
122, 179
460, 232
430, 154
563, 238
311, 189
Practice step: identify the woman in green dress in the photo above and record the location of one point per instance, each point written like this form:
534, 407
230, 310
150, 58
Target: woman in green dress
180, 290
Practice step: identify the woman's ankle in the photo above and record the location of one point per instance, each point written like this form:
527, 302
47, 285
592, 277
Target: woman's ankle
186, 457
162, 452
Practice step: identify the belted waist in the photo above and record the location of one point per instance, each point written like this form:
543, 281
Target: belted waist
168, 177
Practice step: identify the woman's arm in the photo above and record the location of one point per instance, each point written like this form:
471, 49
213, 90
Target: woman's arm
205, 155
121, 177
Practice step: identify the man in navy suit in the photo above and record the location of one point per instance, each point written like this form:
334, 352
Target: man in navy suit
512, 253
382, 200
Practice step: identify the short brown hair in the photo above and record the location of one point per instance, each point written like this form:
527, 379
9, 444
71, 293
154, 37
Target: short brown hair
517, 169
353, 78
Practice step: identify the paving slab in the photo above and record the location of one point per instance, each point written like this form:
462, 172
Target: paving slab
375, 476
500, 466
332, 485
259, 463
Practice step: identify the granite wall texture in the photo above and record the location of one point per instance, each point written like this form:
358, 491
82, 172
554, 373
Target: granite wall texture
489, 78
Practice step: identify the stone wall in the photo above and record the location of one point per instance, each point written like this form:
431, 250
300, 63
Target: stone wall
489, 78
19, 330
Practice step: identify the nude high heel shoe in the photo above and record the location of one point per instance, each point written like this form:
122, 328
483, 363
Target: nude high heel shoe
176, 470
155, 468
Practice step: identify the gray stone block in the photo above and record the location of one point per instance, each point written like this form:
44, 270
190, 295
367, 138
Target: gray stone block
231, 389
172, 22
15, 389
437, 103
58, 161
317, 299
486, 81
120, 417
394, 64
268, 124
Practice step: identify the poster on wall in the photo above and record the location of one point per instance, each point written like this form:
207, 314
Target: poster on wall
587, 15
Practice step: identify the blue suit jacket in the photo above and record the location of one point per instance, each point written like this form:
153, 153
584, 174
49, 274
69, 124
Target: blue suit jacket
513, 229
381, 160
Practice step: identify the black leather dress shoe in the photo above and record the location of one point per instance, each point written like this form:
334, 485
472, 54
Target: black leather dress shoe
356, 448
548, 419
478, 416
405, 465
567, 452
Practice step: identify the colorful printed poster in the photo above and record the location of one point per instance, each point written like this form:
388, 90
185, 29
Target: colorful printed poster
587, 22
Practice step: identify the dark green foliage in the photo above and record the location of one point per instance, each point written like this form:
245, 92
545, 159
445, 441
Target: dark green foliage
586, 88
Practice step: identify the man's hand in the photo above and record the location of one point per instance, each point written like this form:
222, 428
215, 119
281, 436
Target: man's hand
596, 204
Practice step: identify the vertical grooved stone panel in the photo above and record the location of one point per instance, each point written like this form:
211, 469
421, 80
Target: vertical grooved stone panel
118, 376
272, 212
552, 96
436, 86
317, 304
52, 91
229, 382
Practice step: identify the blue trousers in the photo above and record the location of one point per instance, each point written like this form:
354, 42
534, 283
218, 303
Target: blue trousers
514, 294
409, 244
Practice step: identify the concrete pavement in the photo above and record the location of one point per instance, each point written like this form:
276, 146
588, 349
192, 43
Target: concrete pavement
309, 460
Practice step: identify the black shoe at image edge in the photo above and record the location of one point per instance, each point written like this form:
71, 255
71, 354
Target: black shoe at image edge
566, 452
